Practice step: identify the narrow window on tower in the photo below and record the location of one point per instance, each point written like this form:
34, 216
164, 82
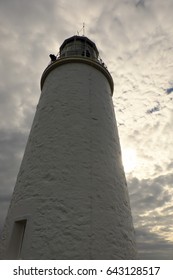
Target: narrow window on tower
17, 237
87, 53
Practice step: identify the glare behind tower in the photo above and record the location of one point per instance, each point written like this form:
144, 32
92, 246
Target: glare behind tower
71, 199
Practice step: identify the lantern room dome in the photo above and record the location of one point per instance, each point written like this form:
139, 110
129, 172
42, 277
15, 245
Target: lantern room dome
79, 46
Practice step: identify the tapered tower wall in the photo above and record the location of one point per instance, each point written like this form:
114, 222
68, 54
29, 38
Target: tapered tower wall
71, 193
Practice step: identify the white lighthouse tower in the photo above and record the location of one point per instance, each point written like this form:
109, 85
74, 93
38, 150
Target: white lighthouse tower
71, 199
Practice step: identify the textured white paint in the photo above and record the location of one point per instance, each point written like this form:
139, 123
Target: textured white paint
71, 186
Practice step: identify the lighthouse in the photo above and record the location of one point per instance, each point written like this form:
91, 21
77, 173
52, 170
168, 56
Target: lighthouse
71, 199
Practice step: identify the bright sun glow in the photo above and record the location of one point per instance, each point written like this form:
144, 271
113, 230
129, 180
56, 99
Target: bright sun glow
129, 160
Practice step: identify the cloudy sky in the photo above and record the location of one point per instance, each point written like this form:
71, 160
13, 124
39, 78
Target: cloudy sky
135, 40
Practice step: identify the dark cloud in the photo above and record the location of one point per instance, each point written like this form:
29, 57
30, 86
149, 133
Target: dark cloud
140, 3
152, 247
5, 198
156, 108
149, 198
148, 194
169, 90
12, 145
170, 166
